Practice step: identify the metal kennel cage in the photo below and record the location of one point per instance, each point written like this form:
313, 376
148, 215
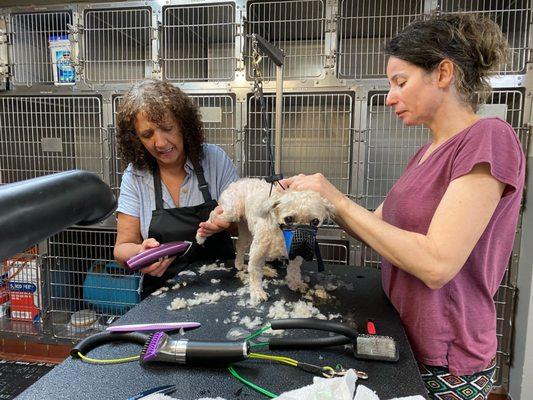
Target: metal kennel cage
297, 27
513, 17
117, 45
198, 42
40, 135
335, 252
86, 289
363, 28
316, 136
30, 56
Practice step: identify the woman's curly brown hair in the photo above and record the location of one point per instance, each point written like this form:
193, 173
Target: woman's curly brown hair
156, 99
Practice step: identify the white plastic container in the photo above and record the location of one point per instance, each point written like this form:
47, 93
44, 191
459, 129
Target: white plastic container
63, 70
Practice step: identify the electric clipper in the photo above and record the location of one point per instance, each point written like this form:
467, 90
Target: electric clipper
162, 348
150, 256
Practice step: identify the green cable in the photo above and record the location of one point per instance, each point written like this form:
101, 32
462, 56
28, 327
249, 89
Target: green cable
251, 384
258, 332
253, 345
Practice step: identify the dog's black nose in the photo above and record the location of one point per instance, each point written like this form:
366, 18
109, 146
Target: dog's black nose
315, 222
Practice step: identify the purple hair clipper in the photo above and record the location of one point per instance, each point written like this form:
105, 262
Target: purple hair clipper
161, 326
150, 256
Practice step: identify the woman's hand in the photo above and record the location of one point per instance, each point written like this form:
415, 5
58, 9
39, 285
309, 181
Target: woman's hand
214, 225
317, 183
159, 267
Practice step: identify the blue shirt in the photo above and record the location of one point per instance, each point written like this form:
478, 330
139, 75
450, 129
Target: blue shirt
137, 188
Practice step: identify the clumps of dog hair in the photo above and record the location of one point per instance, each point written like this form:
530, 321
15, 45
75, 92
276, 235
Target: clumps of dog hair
213, 267
160, 292
199, 298
280, 309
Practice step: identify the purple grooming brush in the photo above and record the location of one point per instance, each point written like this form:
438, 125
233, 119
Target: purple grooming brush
152, 345
150, 256
161, 326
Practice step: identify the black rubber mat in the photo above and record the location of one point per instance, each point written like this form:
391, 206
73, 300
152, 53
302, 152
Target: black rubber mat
17, 376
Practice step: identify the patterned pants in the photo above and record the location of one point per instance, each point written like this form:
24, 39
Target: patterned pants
441, 385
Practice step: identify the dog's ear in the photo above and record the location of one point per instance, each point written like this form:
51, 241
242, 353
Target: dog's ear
267, 207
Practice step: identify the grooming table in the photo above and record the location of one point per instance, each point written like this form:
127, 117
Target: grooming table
358, 297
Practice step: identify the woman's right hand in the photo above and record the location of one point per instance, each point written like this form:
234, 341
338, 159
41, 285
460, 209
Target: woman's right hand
159, 267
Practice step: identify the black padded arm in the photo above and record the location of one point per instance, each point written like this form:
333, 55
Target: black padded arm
35, 209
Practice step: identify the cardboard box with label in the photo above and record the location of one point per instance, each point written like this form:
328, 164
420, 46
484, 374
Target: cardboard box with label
24, 289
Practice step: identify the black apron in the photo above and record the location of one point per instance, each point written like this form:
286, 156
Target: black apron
181, 223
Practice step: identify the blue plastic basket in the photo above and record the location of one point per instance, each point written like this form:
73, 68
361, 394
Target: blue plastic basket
109, 289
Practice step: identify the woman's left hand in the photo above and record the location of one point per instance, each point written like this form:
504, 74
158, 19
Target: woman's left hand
315, 182
217, 224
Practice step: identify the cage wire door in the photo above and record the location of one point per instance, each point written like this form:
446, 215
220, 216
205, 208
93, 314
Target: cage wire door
296, 27
87, 289
31, 62
48, 134
513, 17
117, 164
390, 145
198, 42
364, 27
316, 136
117, 45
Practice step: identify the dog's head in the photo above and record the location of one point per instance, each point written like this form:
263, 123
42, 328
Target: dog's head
293, 207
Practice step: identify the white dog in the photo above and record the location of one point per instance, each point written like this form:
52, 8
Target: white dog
258, 216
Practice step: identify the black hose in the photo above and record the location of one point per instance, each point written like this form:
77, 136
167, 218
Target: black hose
307, 343
35, 209
101, 338
316, 324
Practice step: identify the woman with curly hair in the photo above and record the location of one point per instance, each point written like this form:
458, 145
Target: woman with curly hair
172, 179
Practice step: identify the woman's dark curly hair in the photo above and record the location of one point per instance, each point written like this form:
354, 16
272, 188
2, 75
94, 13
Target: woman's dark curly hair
157, 99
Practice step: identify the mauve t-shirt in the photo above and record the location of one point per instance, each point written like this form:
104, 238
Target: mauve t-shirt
456, 325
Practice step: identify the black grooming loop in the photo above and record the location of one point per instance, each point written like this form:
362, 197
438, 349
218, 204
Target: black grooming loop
303, 241
276, 55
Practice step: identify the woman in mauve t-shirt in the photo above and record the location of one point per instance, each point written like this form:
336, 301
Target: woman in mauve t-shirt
446, 228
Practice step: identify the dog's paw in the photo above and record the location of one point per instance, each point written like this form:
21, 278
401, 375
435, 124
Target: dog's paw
257, 296
243, 276
241, 266
270, 272
300, 286
200, 239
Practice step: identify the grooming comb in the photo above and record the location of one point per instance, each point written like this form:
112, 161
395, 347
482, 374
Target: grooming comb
162, 326
152, 346
150, 256
376, 347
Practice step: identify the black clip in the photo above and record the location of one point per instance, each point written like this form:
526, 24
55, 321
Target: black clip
274, 178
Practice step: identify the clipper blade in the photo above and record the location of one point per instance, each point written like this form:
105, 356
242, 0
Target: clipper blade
151, 347
376, 347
